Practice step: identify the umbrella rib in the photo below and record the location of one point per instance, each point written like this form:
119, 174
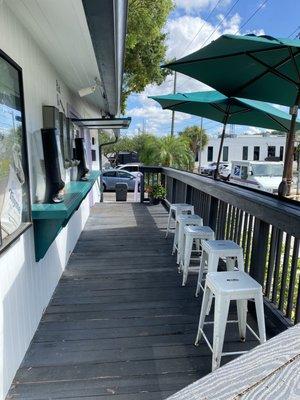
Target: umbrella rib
274, 70
219, 57
282, 62
175, 105
277, 122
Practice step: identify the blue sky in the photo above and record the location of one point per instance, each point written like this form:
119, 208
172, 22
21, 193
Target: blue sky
279, 18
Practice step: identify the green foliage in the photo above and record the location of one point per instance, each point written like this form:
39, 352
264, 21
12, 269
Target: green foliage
145, 45
169, 151
156, 191
196, 137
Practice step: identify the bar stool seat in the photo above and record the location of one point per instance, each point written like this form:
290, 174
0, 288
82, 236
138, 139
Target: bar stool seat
193, 234
182, 221
212, 251
176, 209
227, 286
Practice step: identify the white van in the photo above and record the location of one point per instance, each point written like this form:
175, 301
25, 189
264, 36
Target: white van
261, 175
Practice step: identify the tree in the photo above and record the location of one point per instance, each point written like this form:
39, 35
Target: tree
196, 137
145, 45
175, 152
124, 143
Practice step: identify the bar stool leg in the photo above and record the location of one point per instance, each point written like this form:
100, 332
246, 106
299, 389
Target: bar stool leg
212, 266
259, 307
242, 318
202, 314
201, 271
180, 244
240, 262
169, 223
175, 241
187, 256
220, 319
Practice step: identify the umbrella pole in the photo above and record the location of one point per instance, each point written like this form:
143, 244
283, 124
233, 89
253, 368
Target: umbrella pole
216, 172
284, 188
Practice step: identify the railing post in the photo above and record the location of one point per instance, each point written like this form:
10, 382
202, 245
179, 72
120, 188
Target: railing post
213, 213
142, 188
259, 251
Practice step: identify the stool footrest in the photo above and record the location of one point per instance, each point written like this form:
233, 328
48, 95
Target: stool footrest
226, 353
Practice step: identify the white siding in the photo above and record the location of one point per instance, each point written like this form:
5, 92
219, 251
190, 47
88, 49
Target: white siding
26, 286
235, 147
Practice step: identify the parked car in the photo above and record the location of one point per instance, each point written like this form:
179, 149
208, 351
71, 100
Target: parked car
131, 167
113, 176
211, 167
262, 175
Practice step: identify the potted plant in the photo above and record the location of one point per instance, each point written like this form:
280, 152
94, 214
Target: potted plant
156, 193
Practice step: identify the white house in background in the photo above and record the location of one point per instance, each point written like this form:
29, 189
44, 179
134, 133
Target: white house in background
244, 147
49, 51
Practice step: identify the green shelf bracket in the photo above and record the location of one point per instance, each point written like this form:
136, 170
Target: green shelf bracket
49, 219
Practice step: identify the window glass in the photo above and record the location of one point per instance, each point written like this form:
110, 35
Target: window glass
244, 172
225, 153
256, 153
281, 153
271, 169
109, 173
123, 174
210, 151
93, 155
245, 152
271, 151
14, 193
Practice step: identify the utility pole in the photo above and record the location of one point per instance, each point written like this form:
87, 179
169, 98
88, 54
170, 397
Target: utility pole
200, 149
173, 112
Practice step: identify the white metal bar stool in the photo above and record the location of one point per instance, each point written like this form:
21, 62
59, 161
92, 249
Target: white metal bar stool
182, 221
193, 234
176, 209
212, 251
227, 286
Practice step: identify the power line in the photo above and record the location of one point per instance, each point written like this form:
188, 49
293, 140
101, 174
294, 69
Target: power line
202, 26
252, 15
295, 31
221, 21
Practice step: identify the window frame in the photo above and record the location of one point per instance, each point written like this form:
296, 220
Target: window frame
8, 241
245, 153
273, 148
210, 150
225, 152
256, 147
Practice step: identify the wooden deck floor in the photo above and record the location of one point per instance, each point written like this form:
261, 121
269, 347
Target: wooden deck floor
119, 325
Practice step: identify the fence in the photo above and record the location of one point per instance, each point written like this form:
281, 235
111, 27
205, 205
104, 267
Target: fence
267, 228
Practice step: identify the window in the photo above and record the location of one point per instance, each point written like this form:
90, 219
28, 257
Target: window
210, 153
94, 155
109, 174
244, 172
225, 153
124, 174
271, 151
14, 183
281, 153
93, 140
245, 153
256, 153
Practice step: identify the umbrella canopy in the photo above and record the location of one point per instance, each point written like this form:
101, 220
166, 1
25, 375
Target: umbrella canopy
254, 67
232, 110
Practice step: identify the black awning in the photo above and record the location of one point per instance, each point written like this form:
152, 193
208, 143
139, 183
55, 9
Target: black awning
103, 123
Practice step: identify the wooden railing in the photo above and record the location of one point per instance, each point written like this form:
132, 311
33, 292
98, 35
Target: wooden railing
267, 228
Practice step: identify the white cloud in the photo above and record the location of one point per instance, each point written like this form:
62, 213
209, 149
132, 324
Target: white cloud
190, 6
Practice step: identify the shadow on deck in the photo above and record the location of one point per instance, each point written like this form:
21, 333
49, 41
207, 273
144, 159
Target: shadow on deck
119, 325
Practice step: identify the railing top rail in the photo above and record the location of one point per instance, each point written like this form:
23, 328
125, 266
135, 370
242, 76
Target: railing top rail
280, 213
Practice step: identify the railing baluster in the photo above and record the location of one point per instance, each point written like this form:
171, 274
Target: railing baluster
277, 266
293, 273
271, 262
285, 268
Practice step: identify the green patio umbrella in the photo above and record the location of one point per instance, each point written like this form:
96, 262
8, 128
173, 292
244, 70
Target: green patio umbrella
253, 67
227, 110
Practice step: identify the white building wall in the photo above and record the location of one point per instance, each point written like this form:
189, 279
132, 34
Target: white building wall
25, 285
235, 147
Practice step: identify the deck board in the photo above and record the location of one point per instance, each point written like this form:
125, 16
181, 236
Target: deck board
119, 325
